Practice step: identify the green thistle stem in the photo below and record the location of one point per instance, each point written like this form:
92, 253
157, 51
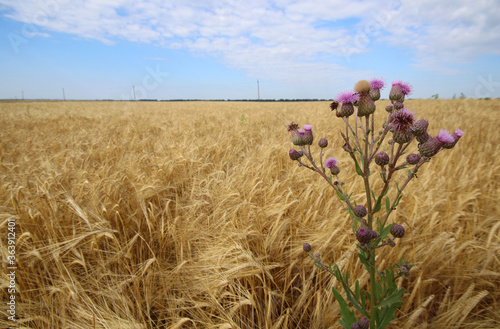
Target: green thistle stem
373, 307
366, 162
319, 171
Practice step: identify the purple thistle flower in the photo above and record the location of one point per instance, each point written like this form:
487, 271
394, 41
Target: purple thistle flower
308, 135
403, 120
456, 136
302, 132
330, 162
347, 97
406, 88
377, 83
458, 133
445, 137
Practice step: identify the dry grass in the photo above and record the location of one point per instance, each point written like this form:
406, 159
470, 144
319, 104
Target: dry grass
183, 215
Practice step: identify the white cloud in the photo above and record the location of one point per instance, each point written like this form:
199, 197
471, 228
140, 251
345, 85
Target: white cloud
447, 32
285, 38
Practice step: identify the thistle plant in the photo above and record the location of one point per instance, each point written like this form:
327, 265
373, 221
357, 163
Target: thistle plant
371, 150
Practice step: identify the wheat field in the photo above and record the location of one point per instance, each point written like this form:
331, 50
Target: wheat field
192, 215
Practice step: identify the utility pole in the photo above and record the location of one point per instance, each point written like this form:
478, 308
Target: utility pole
64, 96
258, 90
133, 87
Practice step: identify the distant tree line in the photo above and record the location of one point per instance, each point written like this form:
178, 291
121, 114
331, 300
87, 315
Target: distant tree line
235, 100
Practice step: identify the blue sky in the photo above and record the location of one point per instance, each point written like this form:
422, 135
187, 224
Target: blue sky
198, 49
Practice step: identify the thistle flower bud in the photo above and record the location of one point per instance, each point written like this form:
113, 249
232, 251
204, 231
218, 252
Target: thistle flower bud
382, 159
373, 234
346, 110
355, 326
360, 211
405, 269
331, 163
433, 145
402, 137
375, 94
413, 159
323, 142
364, 323
364, 235
366, 105
395, 94
298, 137
423, 138
308, 135
334, 170
389, 108
420, 127
397, 231
430, 148
408, 266
294, 154
398, 106
307, 247
297, 134
450, 145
